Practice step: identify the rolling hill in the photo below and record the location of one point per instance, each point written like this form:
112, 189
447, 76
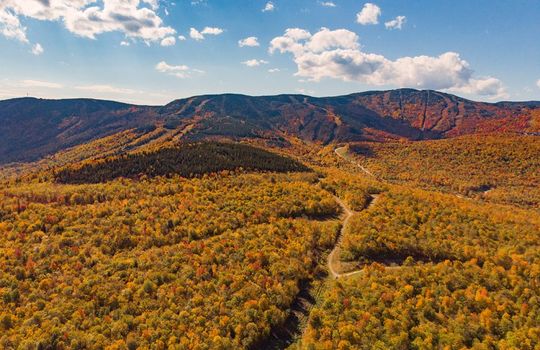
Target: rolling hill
33, 128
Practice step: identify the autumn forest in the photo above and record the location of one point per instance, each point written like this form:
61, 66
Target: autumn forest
156, 250
165, 229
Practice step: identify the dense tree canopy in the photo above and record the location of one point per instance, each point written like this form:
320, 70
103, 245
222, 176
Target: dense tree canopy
212, 262
440, 272
187, 160
214, 246
502, 169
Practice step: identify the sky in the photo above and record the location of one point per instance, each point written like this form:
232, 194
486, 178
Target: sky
155, 51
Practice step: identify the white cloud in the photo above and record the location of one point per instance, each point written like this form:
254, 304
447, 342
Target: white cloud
154, 4
211, 31
180, 71
87, 18
491, 87
327, 3
124, 43
200, 35
369, 14
254, 62
41, 84
251, 41
168, 41
195, 34
273, 70
269, 7
10, 25
181, 38
37, 49
337, 54
396, 23
106, 89
538, 83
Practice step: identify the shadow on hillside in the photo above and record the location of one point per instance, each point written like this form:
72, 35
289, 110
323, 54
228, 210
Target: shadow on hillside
283, 335
362, 150
398, 258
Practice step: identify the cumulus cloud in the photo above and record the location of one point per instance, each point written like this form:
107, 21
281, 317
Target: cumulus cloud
269, 7
124, 43
254, 62
369, 14
396, 23
154, 4
327, 3
273, 70
37, 49
168, 41
181, 38
87, 18
211, 31
10, 25
488, 86
179, 71
200, 35
195, 34
251, 41
337, 54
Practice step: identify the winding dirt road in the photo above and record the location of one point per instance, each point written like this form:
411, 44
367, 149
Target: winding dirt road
342, 151
333, 258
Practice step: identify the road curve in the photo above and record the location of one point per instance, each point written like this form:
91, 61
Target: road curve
341, 151
334, 256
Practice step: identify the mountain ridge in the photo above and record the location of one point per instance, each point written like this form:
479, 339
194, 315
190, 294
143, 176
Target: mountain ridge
501, 102
34, 128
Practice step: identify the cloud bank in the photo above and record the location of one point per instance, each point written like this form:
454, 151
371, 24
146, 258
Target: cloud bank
337, 54
87, 18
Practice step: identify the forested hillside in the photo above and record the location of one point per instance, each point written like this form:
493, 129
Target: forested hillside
145, 240
213, 262
35, 128
439, 272
504, 169
187, 160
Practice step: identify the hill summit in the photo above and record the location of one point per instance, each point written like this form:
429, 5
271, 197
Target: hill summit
33, 128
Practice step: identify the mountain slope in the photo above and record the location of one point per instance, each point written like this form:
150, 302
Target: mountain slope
32, 128
448, 114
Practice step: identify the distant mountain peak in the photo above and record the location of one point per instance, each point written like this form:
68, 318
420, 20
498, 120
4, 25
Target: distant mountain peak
33, 128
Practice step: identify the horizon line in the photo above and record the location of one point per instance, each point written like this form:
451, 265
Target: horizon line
262, 96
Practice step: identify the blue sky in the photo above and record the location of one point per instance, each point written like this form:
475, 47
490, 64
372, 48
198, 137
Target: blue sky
155, 51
